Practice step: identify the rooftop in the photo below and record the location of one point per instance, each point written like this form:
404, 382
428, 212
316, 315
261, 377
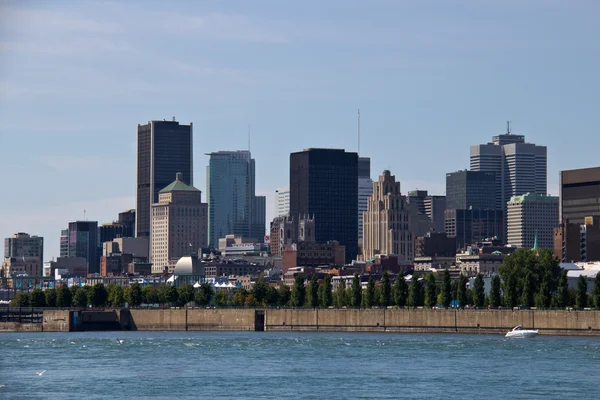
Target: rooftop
178, 186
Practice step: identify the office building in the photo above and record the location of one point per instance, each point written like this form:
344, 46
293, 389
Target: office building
164, 148
578, 242
472, 225
365, 190
531, 219
15, 266
179, 225
83, 242
471, 189
324, 185
520, 167
435, 244
282, 201
579, 194
64, 243
432, 206
387, 221
23, 245
233, 207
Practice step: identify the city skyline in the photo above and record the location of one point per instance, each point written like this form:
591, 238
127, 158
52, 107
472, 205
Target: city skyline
297, 84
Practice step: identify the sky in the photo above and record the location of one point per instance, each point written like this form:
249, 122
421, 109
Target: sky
430, 78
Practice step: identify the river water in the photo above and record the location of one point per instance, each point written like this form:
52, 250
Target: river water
212, 365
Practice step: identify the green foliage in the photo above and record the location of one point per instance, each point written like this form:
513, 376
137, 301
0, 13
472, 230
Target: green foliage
528, 290
250, 301
326, 292
543, 299
378, 295
370, 293
562, 293
21, 299
511, 297
50, 297
454, 289
185, 294
133, 295
285, 295
461, 291
150, 295
400, 291
479, 291
220, 297
581, 299
596, 292
239, 297
98, 296
37, 298
205, 294
80, 299
356, 299
73, 289
446, 289
312, 291
272, 298
340, 294
167, 294
63, 297
298, 292
259, 290
415, 298
116, 296
495, 292
430, 290
386, 289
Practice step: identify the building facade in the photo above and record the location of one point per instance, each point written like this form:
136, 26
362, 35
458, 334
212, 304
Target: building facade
24, 245
387, 221
324, 185
578, 242
471, 189
531, 218
164, 148
433, 206
471, 226
435, 244
179, 225
520, 167
579, 194
233, 206
83, 242
282, 201
365, 190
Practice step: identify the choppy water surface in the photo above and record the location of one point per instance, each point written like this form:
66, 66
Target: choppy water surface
99, 365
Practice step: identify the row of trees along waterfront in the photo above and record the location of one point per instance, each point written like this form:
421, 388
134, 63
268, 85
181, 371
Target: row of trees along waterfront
526, 278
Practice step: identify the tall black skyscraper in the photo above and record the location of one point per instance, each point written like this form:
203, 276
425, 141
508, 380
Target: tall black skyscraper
83, 242
324, 183
471, 189
164, 149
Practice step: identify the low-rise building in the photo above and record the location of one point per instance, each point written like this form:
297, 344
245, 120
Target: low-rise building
311, 254
429, 263
435, 244
473, 263
75, 266
14, 266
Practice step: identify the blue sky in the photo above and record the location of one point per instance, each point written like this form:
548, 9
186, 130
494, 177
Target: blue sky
431, 78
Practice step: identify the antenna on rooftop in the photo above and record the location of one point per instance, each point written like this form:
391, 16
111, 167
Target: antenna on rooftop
358, 116
248, 137
173, 119
84, 215
508, 127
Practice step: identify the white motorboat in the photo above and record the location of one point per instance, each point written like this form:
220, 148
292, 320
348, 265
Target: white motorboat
519, 332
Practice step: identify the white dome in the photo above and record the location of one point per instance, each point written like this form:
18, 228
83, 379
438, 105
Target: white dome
188, 266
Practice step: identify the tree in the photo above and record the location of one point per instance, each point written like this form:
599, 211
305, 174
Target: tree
37, 298
386, 289
150, 295
167, 294
73, 289
581, 299
370, 293
50, 297
116, 296
414, 293
461, 291
250, 301
312, 292
400, 291
446, 289
328, 297
562, 293
298, 292
21, 299
430, 291
544, 296
284, 295
239, 297
272, 297
63, 297
259, 290
340, 295
220, 297
98, 296
81, 297
596, 292
511, 297
133, 295
479, 291
356, 299
185, 294
204, 294
495, 292
528, 290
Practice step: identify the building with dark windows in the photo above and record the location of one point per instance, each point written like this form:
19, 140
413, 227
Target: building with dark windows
83, 242
435, 244
471, 189
365, 190
578, 242
164, 148
431, 206
324, 185
471, 226
23, 245
579, 194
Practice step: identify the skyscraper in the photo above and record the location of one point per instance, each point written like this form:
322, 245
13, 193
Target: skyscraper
471, 189
282, 201
324, 184
23, 245
83, 242
579, 194
531, 218
387, 221
520, 167
365, 190
164, 148
233, 207
431, 206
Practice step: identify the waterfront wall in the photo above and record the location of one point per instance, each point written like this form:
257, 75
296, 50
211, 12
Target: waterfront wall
189, 319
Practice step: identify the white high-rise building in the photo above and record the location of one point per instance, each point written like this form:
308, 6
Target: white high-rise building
282, 201
531, 219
